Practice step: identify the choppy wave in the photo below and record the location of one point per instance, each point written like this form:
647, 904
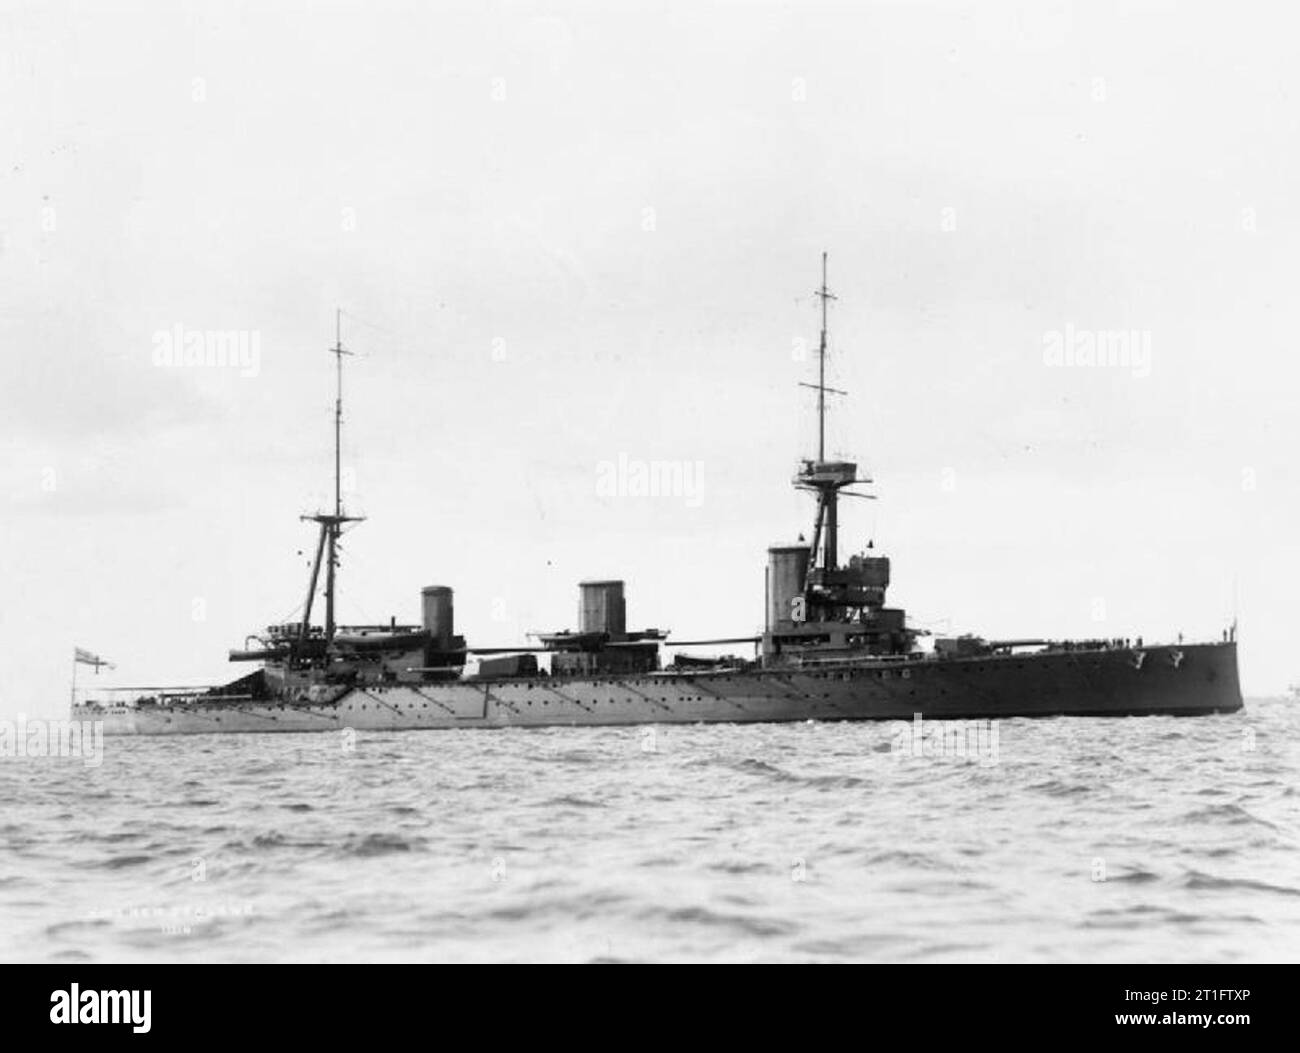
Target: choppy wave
1150, 839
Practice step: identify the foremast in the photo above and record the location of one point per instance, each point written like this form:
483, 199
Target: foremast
826, 479
818, 609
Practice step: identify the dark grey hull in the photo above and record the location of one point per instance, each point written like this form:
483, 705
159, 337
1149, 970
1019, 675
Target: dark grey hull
1182, 680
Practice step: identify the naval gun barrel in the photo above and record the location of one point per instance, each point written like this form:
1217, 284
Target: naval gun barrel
260, 655
706, 643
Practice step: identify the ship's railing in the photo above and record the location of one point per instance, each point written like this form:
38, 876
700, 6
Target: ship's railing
809, 662
171, 694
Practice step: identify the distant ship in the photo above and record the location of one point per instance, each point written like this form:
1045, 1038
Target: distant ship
831, 650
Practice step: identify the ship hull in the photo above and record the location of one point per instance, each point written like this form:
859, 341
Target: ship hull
1195, 679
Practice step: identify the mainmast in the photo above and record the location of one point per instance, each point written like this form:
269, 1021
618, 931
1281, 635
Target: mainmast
338, 519
330, 524
338, 353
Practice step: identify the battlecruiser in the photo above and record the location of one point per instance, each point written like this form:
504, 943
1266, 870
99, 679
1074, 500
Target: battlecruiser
831, 650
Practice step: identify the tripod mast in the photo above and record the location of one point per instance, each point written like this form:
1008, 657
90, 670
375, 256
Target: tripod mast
330, 524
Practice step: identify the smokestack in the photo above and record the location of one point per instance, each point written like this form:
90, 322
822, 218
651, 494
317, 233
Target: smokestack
787, 567
439, 615
601, 608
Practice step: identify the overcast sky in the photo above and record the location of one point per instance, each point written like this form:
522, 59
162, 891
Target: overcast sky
562, 236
